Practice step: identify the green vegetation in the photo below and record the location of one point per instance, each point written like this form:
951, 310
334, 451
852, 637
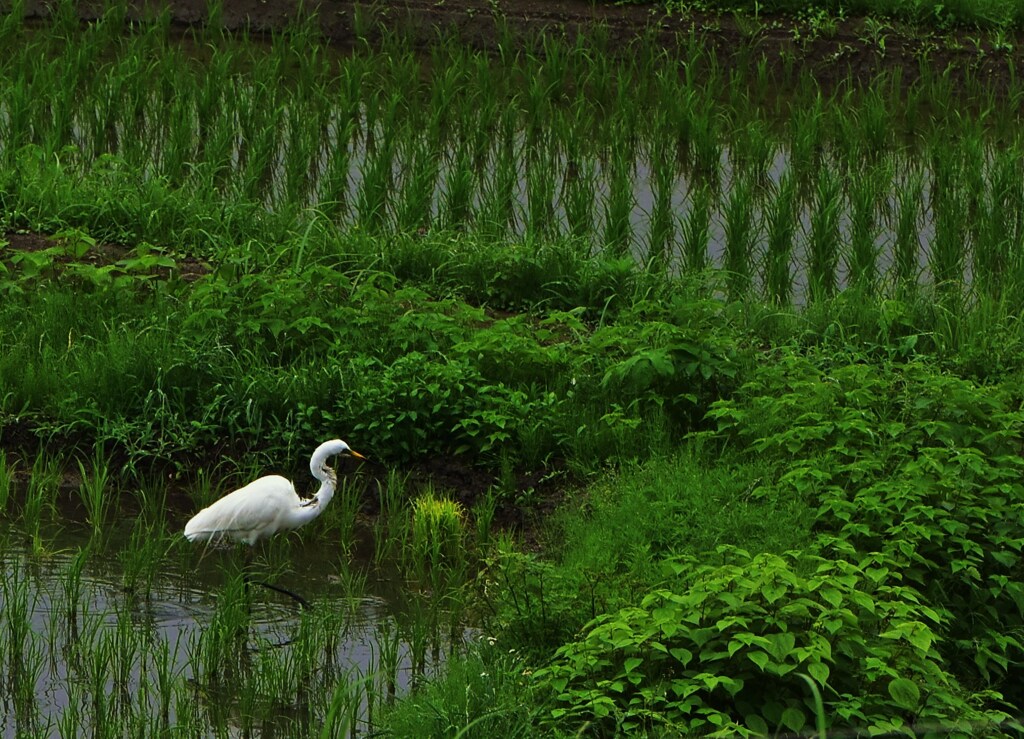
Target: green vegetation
741, 354
823, 15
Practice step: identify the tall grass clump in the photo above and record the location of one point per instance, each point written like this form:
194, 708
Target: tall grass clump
824, 237
96, 491
864, 227
438, 534
739, 239
907, 243
8, 470
697, 230
780, 235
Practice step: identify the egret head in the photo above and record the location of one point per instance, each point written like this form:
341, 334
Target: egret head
334, 447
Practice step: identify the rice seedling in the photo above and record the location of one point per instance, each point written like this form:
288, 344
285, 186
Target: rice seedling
222, 653
376, 177
806, 142
542, 170
95, 491
19, 604
26, 677
419, 183
697, 230
161, 658
498, 195
71, 586
333, 195
437, 534
344, 512
661, 224
824, 238
780, 227
579, 186
739, 237
619, 201
141, 559
8, 471
391, 525
456, 197
752, 150
343, 712
864, 233
40, 495
388, 660
907, 245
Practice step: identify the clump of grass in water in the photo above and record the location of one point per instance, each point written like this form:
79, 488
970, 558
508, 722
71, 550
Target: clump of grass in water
392, 523
619, 202
23, 650
438, 526
781, 231
865, 194
43, 485
71, 585
142, 558
344, 512
7, 472
660, 228
223, 646
908, 246
824, 237
948, 252
697, 230
95, 491
739, 237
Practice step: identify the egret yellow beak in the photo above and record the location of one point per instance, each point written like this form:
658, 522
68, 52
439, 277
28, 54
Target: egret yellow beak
356, 454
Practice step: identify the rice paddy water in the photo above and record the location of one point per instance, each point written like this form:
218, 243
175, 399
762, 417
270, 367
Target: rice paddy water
644, 156
126, 630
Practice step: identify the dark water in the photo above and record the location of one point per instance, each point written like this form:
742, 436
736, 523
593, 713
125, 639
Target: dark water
97, 634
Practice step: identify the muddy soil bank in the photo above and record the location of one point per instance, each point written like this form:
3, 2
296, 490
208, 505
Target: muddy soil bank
829, 48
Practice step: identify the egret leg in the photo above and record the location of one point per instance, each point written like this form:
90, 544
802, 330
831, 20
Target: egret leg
303, 603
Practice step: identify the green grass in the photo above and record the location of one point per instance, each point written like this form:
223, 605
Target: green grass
822, 16
627, 523
381, 143
482, 694
787, 409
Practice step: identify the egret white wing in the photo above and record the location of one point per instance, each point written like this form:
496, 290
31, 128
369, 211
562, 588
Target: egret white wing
249, 514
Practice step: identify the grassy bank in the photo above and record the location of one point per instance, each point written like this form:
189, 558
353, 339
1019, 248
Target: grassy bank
782, 400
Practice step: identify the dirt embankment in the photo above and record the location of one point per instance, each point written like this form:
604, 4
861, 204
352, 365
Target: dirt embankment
828, 47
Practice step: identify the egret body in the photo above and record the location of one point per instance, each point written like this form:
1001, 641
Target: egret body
268, 505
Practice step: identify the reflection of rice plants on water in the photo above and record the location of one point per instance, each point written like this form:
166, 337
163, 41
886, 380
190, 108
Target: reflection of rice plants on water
564, 144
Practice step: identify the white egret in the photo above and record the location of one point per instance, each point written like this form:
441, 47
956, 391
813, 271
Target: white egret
268, 505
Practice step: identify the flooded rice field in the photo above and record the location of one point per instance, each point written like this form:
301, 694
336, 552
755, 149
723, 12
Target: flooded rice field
783, 189
125, 634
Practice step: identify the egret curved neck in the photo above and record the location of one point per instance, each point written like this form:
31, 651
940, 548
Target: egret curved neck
328, 483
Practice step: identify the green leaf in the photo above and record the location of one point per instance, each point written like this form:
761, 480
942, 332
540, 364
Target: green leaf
761, 659
819, 671
905, 693
780, 645
794, 719
683, 655
757, 724
632, 663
